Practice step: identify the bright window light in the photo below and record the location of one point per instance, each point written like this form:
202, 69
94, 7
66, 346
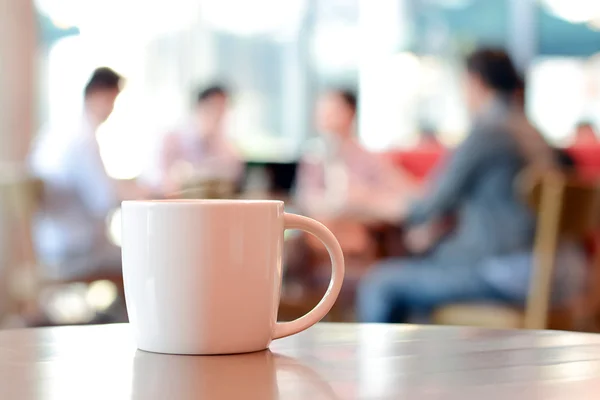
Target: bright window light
243, 17
574, 11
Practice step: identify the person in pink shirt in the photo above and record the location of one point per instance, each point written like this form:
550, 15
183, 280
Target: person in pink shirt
344, 186
339, 178
200, 149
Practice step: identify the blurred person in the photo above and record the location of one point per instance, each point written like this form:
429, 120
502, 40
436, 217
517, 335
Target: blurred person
428, 140
585, 135
585, 151
488, 254
421, 160
342, 178
200, 149
70, 232
344, 186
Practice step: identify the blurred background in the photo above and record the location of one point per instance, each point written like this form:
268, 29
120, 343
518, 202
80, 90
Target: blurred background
278, 56
274, 61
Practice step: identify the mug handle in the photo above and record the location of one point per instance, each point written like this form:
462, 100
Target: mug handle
292, 221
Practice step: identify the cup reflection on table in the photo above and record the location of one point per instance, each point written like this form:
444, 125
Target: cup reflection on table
244, 376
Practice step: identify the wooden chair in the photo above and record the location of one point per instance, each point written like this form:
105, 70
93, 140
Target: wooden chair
19, 199
565, 208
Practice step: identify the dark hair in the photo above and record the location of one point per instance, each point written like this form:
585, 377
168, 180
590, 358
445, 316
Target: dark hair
210, 91
495, 68
103, 78
348, 96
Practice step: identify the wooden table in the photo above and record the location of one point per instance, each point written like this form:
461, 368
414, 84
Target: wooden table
329, 361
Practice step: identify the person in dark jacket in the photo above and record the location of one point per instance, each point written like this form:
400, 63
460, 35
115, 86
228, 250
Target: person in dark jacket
476, 185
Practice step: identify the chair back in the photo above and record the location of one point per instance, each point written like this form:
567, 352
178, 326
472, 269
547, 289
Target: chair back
566, 208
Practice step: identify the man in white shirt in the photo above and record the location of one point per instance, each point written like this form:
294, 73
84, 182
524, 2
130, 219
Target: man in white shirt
70, 232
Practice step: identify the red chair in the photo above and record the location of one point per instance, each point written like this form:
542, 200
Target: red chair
418, 162
587, 160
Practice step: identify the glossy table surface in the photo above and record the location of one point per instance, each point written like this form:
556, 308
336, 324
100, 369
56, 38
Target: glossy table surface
329, 361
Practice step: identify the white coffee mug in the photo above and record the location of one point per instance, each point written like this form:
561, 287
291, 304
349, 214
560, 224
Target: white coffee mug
204, 276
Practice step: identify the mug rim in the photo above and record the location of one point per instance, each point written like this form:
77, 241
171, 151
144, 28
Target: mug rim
198, 202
